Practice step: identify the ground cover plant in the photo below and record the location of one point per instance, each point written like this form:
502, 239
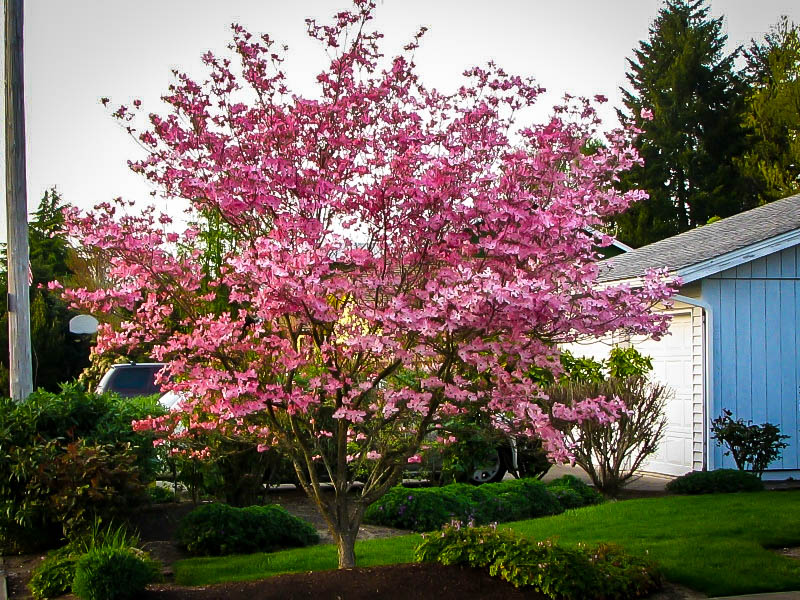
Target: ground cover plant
558, 572
364, 263
426, 509
684, 535
216, 529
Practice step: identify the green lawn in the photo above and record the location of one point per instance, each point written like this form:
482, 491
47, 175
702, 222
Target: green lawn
714, 544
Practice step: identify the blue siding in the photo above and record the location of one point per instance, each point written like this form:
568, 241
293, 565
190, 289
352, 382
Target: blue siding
756, 320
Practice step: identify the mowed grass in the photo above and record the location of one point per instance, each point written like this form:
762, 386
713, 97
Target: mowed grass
246, 567
716, 544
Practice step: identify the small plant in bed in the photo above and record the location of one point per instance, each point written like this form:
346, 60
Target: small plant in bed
218, 529
113, 574
55, 575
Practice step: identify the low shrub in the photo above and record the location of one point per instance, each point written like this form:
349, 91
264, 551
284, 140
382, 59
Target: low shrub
420, 509
112, 574
218, 529
426, 509
555, 571
722, 481
53, 576
160, 495
574, 493
753, 446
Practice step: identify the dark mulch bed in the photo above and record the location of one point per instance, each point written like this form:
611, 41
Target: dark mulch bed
396, 582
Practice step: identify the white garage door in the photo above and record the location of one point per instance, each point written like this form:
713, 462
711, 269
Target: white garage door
672, 365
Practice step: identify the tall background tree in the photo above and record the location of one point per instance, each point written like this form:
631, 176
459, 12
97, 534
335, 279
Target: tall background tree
58, 356
772, 113
683, 76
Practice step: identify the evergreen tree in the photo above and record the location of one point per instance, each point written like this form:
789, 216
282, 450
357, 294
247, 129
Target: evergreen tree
58, 356
773, 112
682, 75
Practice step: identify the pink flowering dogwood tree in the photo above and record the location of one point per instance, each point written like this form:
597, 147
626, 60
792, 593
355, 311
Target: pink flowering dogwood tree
395, 255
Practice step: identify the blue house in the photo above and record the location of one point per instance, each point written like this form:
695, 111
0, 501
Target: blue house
735, 333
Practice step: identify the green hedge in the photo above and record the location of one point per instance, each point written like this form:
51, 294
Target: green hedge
557, 572
722, 481
426, 509
218, 529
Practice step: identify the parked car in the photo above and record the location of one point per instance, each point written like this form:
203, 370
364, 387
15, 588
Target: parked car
131, 379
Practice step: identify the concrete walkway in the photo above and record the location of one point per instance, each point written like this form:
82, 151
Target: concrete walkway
648, 482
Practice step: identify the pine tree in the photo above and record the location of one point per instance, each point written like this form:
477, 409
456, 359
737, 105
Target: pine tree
684, 77
773, 112
58, 356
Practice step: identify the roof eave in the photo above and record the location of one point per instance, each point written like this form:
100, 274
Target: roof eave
738, 257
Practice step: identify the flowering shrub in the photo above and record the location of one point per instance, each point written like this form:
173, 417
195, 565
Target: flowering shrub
613, 454
218, 529
384, 255
557, 572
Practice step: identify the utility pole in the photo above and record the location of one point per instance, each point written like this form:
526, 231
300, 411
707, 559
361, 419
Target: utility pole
19, 310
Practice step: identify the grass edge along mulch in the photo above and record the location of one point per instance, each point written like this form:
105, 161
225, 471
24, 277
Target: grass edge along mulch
717, 544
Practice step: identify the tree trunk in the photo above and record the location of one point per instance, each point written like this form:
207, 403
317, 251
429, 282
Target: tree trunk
346, 545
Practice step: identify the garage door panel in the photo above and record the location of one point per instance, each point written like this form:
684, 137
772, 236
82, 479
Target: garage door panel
673, 366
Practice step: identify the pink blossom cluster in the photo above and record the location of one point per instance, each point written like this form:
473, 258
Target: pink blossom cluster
393, 254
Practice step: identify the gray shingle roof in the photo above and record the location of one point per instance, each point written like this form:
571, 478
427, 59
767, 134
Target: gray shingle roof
707, 242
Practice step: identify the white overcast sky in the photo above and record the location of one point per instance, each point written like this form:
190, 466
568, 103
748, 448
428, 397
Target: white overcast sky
77, 51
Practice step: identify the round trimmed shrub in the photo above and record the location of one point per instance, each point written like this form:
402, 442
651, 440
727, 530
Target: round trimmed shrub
420, 509
219, 529
722, 481
112, 574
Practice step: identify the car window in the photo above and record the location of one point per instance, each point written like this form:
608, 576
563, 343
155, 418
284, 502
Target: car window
133, 381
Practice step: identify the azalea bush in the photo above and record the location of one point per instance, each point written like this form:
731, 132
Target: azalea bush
364, 262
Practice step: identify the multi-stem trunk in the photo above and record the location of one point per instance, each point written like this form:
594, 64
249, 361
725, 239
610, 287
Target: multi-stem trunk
346, 547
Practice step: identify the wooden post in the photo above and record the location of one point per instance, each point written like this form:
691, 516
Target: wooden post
19, 317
